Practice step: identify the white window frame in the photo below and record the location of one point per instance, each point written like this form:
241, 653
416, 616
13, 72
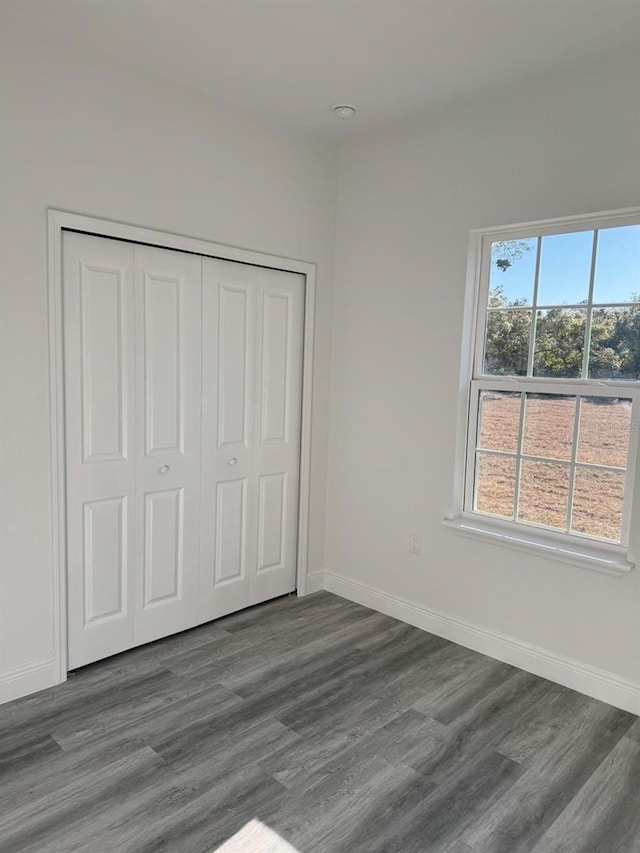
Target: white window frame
562, 546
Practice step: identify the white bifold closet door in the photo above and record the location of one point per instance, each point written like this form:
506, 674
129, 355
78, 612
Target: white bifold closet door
252, 322
182, 404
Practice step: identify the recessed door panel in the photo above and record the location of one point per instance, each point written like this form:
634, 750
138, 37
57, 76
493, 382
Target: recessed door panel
105, 559
275, 367
164, 545
102, 363
233, 364
272, 521
231, 531
162, 363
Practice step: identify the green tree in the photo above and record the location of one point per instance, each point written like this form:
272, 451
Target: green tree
508, 335
625, 339
505, 252
559, 343
614, 351
605, 361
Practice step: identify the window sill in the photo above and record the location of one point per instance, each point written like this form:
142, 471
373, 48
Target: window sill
587, 556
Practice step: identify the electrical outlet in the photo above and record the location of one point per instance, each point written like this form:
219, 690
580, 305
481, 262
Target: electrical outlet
415, 542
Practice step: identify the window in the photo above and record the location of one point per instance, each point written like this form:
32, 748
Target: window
554, 386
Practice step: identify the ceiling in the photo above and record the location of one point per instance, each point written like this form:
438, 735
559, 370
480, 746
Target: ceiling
292, 59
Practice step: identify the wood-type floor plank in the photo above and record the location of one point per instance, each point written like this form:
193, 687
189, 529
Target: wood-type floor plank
604, 817
341, 728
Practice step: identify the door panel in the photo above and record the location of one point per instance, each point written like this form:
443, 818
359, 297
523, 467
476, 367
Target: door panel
101, 344
99, 404
168, 288
104, 559
275, 384
164, 402
252, 362
230, 532
234, 352
163, 547
272, 521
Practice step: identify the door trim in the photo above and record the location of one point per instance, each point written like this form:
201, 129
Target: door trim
59, 221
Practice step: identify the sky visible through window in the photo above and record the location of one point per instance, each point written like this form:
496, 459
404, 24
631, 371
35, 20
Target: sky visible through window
565, 267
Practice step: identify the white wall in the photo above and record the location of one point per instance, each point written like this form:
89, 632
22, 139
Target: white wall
79, 137
406, 205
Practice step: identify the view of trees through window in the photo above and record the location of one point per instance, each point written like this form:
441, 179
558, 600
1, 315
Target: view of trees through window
542, 327
553, 452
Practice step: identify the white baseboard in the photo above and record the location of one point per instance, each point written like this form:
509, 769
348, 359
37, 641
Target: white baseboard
598, 683
315, 582
21, 681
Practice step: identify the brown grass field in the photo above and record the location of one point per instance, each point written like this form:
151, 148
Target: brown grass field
544, 486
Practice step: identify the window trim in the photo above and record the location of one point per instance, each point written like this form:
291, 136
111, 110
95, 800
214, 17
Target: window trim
562, 546
611, 560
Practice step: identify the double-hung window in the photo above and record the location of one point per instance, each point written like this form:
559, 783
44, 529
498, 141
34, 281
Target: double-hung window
553, 389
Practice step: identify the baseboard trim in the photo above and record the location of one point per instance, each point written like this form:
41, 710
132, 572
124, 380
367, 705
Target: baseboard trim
598, 683
315, 582
22, 681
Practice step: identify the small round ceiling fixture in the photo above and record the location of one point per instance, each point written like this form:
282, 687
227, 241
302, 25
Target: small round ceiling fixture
343, 111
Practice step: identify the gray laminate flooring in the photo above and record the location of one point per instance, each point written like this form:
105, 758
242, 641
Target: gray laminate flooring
340, 728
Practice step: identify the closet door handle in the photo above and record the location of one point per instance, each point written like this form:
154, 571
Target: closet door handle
232, 461
163, 469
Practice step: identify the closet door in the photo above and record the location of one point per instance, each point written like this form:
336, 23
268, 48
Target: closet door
276, 455
168, 288
98, 306
183, 394
132, 327
252, 373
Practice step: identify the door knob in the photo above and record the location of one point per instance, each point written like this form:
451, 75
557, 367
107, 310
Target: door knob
233, 460
163, 469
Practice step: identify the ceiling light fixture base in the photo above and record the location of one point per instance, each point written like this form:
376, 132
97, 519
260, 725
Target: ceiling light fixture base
343, 111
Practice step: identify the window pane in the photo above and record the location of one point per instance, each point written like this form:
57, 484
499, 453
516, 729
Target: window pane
544, 493
615, 344
499, 421
617, 265
559, 343
513, 270
605, 425
495, 484
598, 499
507, 343
565, 268
549, 422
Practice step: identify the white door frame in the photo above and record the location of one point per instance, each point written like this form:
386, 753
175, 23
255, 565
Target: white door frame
59, 221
